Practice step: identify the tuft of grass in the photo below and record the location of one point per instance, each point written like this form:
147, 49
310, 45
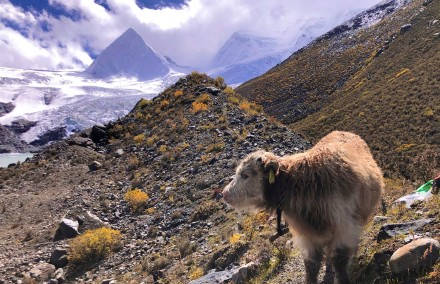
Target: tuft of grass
405, 147
235, 238
195, 273
93, 245
164, 103
178, 93
250, 107
136, 198
139, 138
215, 147
199, 107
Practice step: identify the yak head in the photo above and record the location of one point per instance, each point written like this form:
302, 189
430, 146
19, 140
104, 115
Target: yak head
246, 191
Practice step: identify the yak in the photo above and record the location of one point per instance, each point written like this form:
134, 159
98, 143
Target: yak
326, 194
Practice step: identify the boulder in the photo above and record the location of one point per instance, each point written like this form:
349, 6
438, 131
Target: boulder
98, 134
49, 136
391, 230
42, 271
10, 142
89, 221
405, 28
67, 229
80, 141
20, 126
119, 152
94, 166
59, 257
215, 277
418, 254
427, 2
6, 108
244, 273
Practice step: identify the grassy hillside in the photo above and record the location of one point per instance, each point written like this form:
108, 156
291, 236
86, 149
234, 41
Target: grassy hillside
393, 101
307, 80
379, 82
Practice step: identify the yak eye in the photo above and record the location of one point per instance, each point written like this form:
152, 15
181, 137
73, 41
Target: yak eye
244, 176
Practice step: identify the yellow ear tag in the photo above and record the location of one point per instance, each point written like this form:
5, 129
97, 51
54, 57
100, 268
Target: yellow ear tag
271, 177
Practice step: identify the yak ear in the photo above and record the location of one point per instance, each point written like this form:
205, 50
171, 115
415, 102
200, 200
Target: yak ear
268, 163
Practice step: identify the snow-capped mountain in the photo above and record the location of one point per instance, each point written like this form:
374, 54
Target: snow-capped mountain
242, 47
129, 56
68, 101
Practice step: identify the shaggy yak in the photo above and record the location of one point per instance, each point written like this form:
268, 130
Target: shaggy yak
326, 195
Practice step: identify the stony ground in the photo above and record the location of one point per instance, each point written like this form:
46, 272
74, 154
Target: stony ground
180, 149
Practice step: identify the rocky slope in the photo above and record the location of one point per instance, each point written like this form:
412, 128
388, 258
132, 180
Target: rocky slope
179, 157
179, 149
377, 80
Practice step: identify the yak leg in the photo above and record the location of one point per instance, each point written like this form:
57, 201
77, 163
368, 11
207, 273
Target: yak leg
312, 263
329, 277
341, 259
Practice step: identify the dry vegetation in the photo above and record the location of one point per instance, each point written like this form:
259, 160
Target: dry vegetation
93, 245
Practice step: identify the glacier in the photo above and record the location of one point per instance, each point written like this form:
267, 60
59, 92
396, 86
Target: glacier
71, 99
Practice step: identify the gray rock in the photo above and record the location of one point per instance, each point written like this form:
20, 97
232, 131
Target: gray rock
67, 229
80, 141
405, 28
108, 281
49, 136
215, 277
6, 108
119, 152
94, 166
90, 221
59, 275
244, 273
378, 219
427, 2
59, 257
21, 125
391, 230
42, 271
418, 254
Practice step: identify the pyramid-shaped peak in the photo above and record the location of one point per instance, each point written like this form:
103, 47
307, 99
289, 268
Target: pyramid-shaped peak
129, 56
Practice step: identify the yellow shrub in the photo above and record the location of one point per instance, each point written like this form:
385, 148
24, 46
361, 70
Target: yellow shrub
234, 100
203, 98
235, 238
143, 102
151, 140
250, 108
220, 82
229, 91
196, 273
93, 245
178, 93
428, 112
164, 104
215, 147
139, 138
150, 210
163, 149
198, 107
136, 198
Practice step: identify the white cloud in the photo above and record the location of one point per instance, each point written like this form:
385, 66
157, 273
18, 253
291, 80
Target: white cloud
190, 35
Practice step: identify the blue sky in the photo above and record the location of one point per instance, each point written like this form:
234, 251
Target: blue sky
60, 34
